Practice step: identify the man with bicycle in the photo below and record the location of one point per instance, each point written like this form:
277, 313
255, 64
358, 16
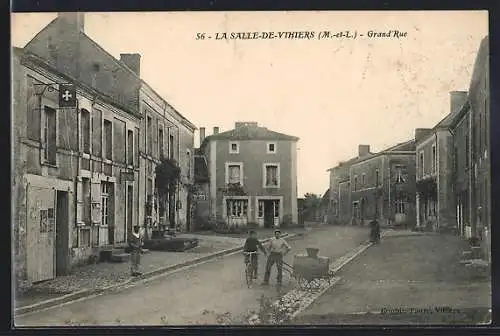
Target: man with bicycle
250, 250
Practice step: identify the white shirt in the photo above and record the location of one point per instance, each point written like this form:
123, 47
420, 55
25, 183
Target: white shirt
278, 245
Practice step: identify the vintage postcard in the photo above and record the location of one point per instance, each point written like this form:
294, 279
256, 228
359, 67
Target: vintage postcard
251, 168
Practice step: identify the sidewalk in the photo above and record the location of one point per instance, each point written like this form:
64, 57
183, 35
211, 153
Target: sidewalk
102, 275
405, 280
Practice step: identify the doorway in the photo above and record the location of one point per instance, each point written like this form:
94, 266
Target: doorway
188, 212
271, 212
129, 207
62, 233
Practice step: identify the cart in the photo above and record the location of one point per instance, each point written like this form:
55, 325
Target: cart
309, 269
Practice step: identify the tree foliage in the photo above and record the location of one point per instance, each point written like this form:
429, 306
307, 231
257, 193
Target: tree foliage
167, 176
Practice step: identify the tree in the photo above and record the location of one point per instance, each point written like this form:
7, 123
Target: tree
312, 203
167, 177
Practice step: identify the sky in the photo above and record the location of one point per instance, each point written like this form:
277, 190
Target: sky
334, 94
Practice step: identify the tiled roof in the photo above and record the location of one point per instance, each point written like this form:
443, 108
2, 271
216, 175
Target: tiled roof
407, 146
251, 133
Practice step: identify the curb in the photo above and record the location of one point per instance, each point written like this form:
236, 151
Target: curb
132, 281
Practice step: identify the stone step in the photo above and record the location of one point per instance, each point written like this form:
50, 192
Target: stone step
122, 257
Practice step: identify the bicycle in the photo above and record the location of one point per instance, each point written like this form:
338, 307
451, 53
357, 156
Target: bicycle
249, 268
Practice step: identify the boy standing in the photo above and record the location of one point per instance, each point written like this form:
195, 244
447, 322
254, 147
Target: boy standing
251, 245
136, 242
277, 249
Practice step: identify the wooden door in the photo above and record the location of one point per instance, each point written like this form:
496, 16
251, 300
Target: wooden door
41, 233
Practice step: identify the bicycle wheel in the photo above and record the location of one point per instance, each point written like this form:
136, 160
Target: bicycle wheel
249, 274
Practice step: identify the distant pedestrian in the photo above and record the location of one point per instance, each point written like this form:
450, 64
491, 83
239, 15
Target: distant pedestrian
277, 249
136, 241
374, 231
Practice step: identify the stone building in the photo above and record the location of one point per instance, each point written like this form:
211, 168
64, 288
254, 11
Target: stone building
470, 130
77, 173
169, 136
375, 185
252, 175
435, 201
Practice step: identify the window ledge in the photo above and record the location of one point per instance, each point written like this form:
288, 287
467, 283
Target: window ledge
51, 165
271, 187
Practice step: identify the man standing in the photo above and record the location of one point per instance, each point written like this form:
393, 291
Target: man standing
136, 242
277, 249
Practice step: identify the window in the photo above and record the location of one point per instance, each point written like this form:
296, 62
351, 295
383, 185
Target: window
234, 147
149, 136
233, 173
50, 135
421, 164
136, 145
105, 193
399, 174
434, 159
107, 139
85, 126
355, 183
334, 208
363, 179
160, 142
171, 146
467, 151
130, 147
399, 206
276, 205
86, 215
271, 148
261, 209
377, 177
237, 208
272, 178
188, 154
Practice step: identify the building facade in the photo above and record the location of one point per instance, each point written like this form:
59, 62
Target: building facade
471, 156
76, 170
435, 196
167, 136
252, 176
375, 185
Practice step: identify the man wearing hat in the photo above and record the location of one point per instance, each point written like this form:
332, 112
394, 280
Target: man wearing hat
277, 249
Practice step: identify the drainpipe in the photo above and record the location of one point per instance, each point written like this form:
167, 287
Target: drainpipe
390, 202
438, 215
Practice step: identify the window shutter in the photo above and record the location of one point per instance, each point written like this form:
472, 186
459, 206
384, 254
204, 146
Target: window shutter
95, 197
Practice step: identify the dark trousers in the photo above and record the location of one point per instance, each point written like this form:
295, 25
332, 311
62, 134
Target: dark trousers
271, 260
255, 262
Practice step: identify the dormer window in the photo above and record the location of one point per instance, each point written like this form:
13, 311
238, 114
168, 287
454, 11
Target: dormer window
234, 147
271, 147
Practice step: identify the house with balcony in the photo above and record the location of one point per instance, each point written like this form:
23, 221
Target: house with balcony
435, 196
252, 175
375, 185
75, 165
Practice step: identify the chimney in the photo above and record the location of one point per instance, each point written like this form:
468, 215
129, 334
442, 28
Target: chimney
74, 19
421, 133
202, 134
363, 150
457, 100
216, 130
239, 124
133, 62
